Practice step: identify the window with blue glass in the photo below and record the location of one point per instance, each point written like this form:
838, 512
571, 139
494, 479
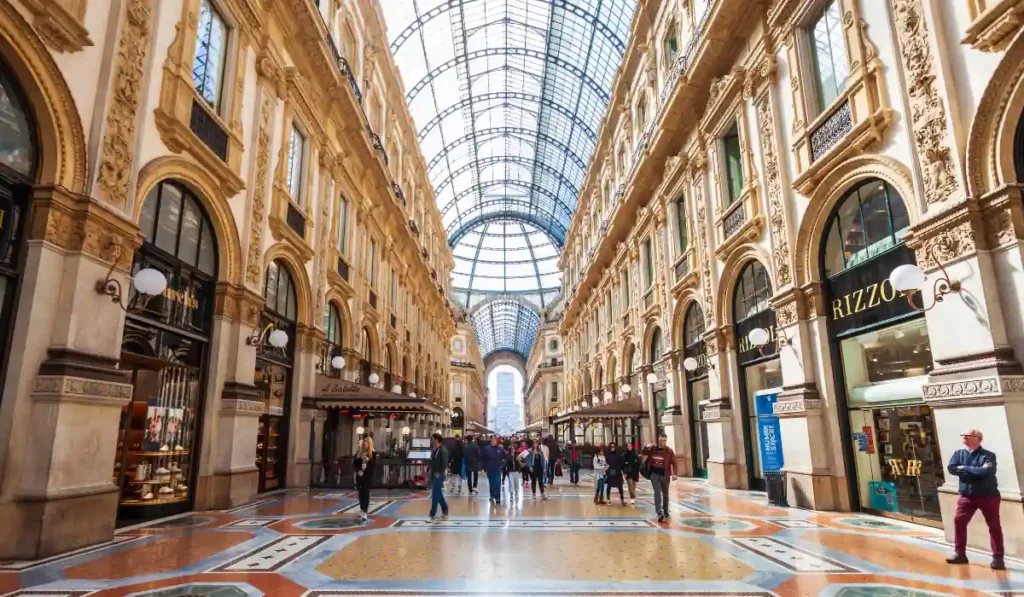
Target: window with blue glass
211, 54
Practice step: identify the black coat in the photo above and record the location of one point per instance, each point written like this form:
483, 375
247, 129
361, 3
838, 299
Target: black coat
614, 460
631, 464
357, 465
471, 454
455, 460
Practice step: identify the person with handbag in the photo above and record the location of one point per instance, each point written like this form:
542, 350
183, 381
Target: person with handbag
613, 478
631, 470
660, 462
538, 464
362, 464
600, 470
438, 468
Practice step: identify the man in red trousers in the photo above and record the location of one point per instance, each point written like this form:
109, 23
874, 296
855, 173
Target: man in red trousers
979, 490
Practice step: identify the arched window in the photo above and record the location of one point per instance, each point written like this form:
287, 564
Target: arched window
279, 291
869, 220
753, 291
332, 325
173, 221
693, 325
682, 232
17, 128
657, 345
367, 348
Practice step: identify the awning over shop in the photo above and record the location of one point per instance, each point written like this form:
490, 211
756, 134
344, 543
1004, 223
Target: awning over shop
338, 393
534, 427
623, 409
474, 427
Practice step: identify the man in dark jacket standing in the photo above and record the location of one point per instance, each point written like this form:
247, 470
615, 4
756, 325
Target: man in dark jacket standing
494, 461
438, 468
979, 490
471, 454
455, 467
571, 456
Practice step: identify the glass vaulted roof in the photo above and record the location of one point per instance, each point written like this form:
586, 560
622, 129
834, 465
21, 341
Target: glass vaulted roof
505, 324
508, 97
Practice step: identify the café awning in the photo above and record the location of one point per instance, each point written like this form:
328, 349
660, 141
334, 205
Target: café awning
623, 409
536, 426
337, 393
474, 427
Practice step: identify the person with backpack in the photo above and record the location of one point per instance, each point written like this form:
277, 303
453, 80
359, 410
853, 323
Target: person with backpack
660, 463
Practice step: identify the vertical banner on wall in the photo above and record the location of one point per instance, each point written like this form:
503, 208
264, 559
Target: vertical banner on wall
769, 432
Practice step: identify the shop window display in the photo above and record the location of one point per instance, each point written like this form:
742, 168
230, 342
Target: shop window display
273, 376
697, 387
165, 347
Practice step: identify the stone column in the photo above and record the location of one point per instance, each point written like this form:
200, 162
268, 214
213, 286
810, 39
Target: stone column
676, 420
307, 342
724, 466
811, 451
63, 393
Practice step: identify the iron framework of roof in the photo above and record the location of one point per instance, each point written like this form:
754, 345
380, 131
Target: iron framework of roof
508, 96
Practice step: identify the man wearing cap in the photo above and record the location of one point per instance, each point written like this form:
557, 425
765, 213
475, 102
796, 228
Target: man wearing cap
979, 490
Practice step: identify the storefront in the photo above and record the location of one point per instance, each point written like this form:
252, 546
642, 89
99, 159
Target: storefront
698, 389
880, 342
760, 372
18, 160
658, 377
274, 375
458, 421
165, 346
619, 422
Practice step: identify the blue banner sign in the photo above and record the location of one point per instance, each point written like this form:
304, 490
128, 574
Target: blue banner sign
769, 431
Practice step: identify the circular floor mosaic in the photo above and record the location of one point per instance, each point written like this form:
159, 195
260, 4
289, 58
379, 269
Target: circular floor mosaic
883, 591
331, 524
206, 590
873, 523
715, 524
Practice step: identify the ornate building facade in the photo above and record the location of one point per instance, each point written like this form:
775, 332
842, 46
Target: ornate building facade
469, 388
217, 237
545, 379
764, 169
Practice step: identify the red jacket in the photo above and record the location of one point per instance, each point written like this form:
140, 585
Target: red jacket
663, 458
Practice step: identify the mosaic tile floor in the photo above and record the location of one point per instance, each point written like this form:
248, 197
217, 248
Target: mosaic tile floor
312, 544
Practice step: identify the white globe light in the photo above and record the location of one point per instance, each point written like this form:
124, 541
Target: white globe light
359, 430
149, 281
412, 394
907, 277
607, 395
338, 362
278, 338
397, 389
374, 378
690, 364
758, 337
405, 431
652, 378
625, 388
584, 404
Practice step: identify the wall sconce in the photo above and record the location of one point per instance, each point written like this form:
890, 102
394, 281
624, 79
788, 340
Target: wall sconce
584, 404
652, 378
759, 338
338, 362
396, 389
624, 388
147, 282
691, 364
607, 396
909, 278
269, 335
373, 378
412, 394
360, 430
405, 430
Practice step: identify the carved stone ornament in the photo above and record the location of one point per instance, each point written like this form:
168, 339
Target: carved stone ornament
253, 260
786, 314
927, 110
57, 26
773, 184
705, 260
118, 153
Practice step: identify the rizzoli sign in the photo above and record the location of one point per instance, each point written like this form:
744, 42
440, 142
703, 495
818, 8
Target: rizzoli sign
862, 296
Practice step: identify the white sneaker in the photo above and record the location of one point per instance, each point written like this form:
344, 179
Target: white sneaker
363, 516
442, 518
632, 502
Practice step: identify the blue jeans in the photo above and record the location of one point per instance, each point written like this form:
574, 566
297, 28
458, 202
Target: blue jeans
436, 497
599, 489
494, 483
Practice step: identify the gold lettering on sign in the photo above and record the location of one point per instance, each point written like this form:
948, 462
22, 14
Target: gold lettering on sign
745, 344
187, 297
896, 464
913, 468
863, 299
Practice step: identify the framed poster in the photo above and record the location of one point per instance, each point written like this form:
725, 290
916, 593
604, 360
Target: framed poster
883, 496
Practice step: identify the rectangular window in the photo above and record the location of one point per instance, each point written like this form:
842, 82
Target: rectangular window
831, 64
608, 309
625, 288
648, 257
733, 164
393, 289
343, 226
296, 165
554, 391
211, 54
373, 263
670, 47
458, 389
682, 234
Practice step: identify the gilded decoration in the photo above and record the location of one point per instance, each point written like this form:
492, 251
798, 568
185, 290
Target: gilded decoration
996, 23
237, 303
697, 177
62, 141
79, 224
59, 23
777, 224
786, 314
324, 226
927, 109
258, 206
118, 152
210, 194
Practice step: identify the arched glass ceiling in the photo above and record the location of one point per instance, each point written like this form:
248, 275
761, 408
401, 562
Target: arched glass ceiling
505, 324
508, 97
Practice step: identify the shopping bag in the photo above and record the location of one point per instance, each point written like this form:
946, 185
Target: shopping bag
558, 469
